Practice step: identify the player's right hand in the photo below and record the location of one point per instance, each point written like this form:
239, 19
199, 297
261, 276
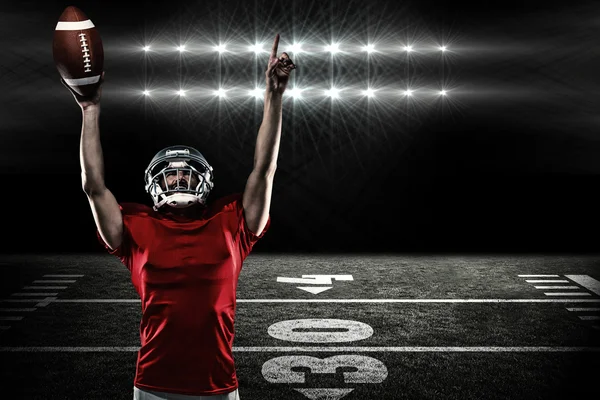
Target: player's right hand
90, 101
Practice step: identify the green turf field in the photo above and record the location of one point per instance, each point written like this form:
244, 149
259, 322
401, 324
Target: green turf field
390, 327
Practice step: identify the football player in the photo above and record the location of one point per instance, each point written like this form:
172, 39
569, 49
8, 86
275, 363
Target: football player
185, 253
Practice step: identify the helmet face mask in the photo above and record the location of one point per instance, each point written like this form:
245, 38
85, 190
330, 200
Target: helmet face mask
177, 179
178, 176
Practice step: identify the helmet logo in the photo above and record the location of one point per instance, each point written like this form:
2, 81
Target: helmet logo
182, 152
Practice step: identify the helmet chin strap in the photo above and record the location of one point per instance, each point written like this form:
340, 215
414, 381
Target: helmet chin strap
178, 200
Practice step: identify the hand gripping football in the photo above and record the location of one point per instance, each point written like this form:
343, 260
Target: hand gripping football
77, 51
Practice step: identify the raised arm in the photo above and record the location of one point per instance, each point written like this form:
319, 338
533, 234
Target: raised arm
257, 194
105, 208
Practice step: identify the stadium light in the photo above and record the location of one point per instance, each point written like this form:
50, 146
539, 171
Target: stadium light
220, 48
296, 48
369, 92
333, 48
256, 92
256, 48
370, 48
333, 93
295, 92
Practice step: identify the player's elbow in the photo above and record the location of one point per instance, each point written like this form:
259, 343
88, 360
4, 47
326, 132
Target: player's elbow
91, 190
265, 170
87, 188
91, 186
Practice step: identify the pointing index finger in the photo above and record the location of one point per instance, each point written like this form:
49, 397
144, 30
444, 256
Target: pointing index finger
275, 45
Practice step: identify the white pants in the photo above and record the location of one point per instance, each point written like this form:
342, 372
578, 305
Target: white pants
139, 394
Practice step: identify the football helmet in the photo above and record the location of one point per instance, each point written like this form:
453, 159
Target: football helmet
182, 162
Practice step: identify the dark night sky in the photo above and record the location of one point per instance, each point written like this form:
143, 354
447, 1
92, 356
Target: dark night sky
507, 163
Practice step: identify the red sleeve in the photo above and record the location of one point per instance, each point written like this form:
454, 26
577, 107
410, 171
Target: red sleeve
123, 252
247, 238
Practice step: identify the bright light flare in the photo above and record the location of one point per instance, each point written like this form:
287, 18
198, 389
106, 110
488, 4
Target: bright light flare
257, 48
181, 92
332, 48
443, 48
181, 48
220, 48
146, 48
443, 92
257, 93
146, 92
333, 93
296, 48
295, 92
369, 92
370, 48
408, 48
220, 92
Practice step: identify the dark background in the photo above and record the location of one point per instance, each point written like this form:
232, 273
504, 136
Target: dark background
508, 163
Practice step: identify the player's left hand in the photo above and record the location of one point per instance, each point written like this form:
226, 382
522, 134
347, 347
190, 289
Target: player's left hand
278, 70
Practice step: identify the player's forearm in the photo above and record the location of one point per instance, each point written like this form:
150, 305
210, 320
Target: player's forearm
90, 152
269, 135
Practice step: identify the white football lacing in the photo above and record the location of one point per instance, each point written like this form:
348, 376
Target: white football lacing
86, 55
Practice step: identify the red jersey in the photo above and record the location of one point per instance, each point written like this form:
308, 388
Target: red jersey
186, 272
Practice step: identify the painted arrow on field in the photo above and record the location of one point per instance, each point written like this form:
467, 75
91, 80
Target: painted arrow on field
315, 280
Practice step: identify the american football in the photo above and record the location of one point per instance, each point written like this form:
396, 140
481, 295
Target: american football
77, 51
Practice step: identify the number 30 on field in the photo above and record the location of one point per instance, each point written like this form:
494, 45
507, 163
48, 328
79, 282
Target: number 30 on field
279, 369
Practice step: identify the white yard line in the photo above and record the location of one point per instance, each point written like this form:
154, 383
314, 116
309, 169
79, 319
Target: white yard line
584, 309
567, 294
310, 349
543, 300
557, 287
547, 281
538, 276
96, 301
409, 349
418, 300
44, 287
39, 302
